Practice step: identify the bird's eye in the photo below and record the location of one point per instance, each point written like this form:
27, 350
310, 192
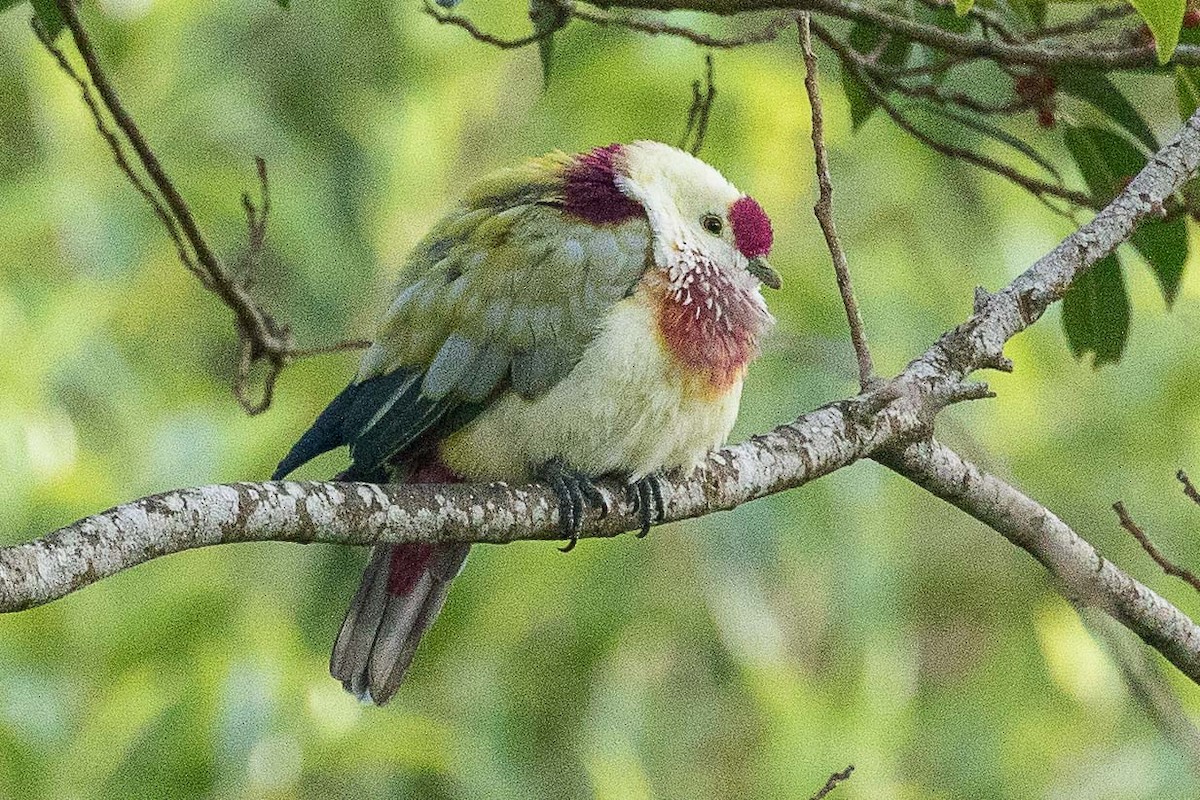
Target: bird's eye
711, 223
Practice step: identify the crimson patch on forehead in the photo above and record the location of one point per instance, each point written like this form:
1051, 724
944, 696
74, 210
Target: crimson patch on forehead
591, 192
751, 227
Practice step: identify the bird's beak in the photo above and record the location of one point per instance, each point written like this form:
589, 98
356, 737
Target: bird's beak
760, 269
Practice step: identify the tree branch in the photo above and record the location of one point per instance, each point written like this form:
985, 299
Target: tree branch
260, 336
832, 782
1084, 576
1156, 555
823, 211
877, 423
1040, 54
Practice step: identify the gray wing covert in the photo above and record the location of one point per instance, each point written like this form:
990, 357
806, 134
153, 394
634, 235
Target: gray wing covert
512, 295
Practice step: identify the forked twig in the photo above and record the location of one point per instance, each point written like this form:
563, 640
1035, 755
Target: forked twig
260, 336
701, 108
1168, 566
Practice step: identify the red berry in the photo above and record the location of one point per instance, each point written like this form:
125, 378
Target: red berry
1045, 117
1035, 87
1191, 18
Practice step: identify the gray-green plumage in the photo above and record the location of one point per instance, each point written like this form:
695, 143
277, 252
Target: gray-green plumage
505, 292
526, 332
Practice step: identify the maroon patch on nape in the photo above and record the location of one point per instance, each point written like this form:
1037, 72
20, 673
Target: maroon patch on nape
751, 227
591, 191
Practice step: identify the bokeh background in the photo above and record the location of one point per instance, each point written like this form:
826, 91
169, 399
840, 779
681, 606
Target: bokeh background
749, 654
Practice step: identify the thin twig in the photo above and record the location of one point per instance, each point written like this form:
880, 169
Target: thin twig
942, 96
1085, 24
1167, 565
766, 33
834, 780
700, 110
451, 18
981, 15
260, 336
1039, 188
118, 150
1188, 488
256, 223
824, 213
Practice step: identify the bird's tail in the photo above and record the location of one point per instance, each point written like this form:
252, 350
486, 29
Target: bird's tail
403, 588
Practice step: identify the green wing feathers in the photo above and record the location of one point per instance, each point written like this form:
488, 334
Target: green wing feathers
506, 291
507, 286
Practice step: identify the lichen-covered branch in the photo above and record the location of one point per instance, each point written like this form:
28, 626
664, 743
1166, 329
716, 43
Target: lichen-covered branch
878, 423
1086, 578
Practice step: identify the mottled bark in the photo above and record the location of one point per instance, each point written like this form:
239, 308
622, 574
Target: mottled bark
892, 423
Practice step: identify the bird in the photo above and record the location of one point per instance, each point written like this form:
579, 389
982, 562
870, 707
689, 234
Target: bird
574, 317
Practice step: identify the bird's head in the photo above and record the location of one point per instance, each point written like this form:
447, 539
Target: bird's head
710, 244
696, 214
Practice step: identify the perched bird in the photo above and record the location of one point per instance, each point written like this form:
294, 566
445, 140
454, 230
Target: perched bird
576, 316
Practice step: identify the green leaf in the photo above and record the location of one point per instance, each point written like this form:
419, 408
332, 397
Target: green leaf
51, 18
1187, 90
961, 7
1094, 87
5, 5
1164, 245
546, 18
284, 3
866, 38
862, 105
981, 125
1095, 313
1164, 18
1107, 161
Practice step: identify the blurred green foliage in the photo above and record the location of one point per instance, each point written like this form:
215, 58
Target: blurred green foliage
744, 655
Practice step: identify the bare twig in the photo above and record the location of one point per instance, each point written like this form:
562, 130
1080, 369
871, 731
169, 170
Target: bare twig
261, 338
1088, 23
1039, 188
444, 17
701, 108
766, 33
256, 223
824, 213
834, 780
118, 151
1167, 565
1188, 488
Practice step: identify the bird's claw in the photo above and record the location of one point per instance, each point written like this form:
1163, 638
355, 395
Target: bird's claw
646, 494
572, 488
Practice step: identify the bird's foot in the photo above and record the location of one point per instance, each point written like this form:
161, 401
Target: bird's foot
646, 494
572, 488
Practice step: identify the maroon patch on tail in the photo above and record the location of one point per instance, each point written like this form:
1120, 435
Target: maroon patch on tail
751, 227
409, 561
591, 188
433, 471
407, 564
